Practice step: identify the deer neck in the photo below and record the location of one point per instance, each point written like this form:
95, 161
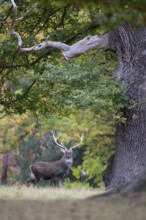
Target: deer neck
68, 161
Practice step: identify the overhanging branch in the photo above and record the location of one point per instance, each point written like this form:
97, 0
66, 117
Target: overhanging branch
87, 44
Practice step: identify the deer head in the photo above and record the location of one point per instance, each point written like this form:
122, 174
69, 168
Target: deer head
67, 152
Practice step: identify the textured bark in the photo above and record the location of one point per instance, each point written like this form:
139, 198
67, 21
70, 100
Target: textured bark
5, 165
130, 154
137, 184
107, 173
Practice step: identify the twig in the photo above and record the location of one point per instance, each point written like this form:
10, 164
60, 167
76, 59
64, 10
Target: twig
26, 14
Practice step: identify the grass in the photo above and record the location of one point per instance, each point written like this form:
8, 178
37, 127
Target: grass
21, 203
25, 193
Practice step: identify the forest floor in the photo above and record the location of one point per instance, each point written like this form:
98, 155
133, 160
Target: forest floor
21, 203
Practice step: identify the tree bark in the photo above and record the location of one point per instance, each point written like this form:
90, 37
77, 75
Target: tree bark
107, 173
130, 138
5, 165
137, 184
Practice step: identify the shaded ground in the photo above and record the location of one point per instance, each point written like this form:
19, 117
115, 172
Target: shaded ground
114, 207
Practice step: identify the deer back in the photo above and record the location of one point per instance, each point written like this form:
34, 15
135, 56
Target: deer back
48, 170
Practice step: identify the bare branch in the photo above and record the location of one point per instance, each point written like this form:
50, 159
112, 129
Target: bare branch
26, 14
15, 19
3, 116
46, 20
4, 21
12, 31
87, 44
46, 44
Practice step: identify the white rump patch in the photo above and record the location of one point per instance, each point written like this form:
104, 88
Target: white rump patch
32, 176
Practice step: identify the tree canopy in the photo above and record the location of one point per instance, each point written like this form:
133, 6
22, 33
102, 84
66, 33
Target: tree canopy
110, 12
43, 82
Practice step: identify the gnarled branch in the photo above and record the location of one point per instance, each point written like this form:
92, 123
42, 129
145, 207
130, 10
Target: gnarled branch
86, 44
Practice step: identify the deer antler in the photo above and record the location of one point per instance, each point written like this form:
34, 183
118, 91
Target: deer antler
81, 138
55, 139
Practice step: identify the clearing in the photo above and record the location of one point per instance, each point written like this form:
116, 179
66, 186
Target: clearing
21, 203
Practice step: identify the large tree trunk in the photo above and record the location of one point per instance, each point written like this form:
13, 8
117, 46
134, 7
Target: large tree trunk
107, 173
130, 154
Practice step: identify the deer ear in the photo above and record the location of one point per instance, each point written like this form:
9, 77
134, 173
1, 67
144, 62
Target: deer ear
62, 150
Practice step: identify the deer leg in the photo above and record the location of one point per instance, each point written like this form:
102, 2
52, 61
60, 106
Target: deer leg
33, 180
52, 183
36, 182
30, 181
59, 182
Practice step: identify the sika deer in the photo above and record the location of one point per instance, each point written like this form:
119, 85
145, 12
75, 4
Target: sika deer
55, 171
